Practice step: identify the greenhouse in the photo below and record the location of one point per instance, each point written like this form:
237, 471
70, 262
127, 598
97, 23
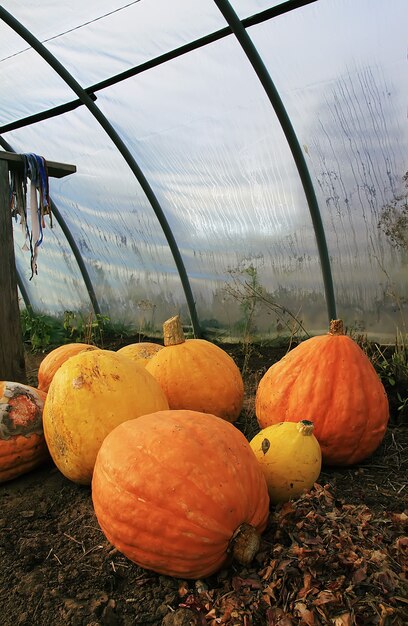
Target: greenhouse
225, 180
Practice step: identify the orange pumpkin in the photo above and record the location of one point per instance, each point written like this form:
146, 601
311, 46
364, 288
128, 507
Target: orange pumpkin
55, 359
140, 352
22, 443
329, 381
91, 394
196, 374
178, 491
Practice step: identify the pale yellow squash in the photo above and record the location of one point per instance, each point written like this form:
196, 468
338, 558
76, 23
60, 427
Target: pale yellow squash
91, 394
290, 457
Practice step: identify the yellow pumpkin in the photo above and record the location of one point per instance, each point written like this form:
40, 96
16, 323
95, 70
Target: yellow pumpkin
290, 458
90, 394
197, 375
140, 352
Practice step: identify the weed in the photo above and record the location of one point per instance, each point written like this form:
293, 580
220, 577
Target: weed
251, 295
391, 364
40, 331
88, 328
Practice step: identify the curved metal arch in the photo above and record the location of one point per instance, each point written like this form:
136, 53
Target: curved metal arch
253, 56
121, 146
71, 241
252, 20
23, 290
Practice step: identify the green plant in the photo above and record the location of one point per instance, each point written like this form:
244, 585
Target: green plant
391, 364
394, 218
87, 329
40, 331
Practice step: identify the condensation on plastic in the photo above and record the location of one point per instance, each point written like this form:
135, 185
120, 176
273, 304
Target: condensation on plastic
207, 139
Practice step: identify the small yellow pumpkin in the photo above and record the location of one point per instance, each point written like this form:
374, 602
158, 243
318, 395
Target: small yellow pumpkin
140, 352
290, 457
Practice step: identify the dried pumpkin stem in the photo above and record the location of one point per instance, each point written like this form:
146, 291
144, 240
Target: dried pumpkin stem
244, 543
305, 427
336, 327
173, 331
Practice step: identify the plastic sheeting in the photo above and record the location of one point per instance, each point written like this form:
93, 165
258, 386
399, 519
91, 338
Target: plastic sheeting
208, 141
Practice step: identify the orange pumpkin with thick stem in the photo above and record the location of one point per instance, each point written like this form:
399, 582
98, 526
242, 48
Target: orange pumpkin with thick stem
54, 359
22, 443
178, 492
196, 374
330, 381
140, 352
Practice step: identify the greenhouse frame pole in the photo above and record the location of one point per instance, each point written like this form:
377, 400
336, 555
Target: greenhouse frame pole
253, 56
120, 145
23, 290
71, 241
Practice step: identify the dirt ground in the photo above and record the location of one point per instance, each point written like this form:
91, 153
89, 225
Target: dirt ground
337, 556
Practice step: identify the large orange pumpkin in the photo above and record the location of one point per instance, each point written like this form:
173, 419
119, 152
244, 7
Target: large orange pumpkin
91, 393
196, 374
22, 443
55, 359
178, 491
140, 352
329, 381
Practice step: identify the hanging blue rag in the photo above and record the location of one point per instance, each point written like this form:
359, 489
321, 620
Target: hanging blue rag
35, 169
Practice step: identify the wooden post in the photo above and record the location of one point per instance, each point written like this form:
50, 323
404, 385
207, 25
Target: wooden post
12, 362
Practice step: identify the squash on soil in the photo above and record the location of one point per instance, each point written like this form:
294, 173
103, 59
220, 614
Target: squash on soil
54, 359
330, 381
180, 491
196, 374
22, 443
140, 352
91, 393
290, 457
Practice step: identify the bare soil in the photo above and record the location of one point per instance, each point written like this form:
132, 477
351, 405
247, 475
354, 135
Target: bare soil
337, 556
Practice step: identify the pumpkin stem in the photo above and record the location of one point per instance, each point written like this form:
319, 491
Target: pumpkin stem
244, 543
305, 427
336, 327
173, 331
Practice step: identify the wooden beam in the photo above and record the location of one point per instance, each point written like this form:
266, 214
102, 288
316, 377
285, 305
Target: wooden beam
54, 169
12, 364
12, 361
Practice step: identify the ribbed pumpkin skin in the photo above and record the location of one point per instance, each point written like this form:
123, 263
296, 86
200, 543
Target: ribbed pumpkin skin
22, 443
199, 376
330, 381
54, 359
90, 394
140, 352
170, 489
